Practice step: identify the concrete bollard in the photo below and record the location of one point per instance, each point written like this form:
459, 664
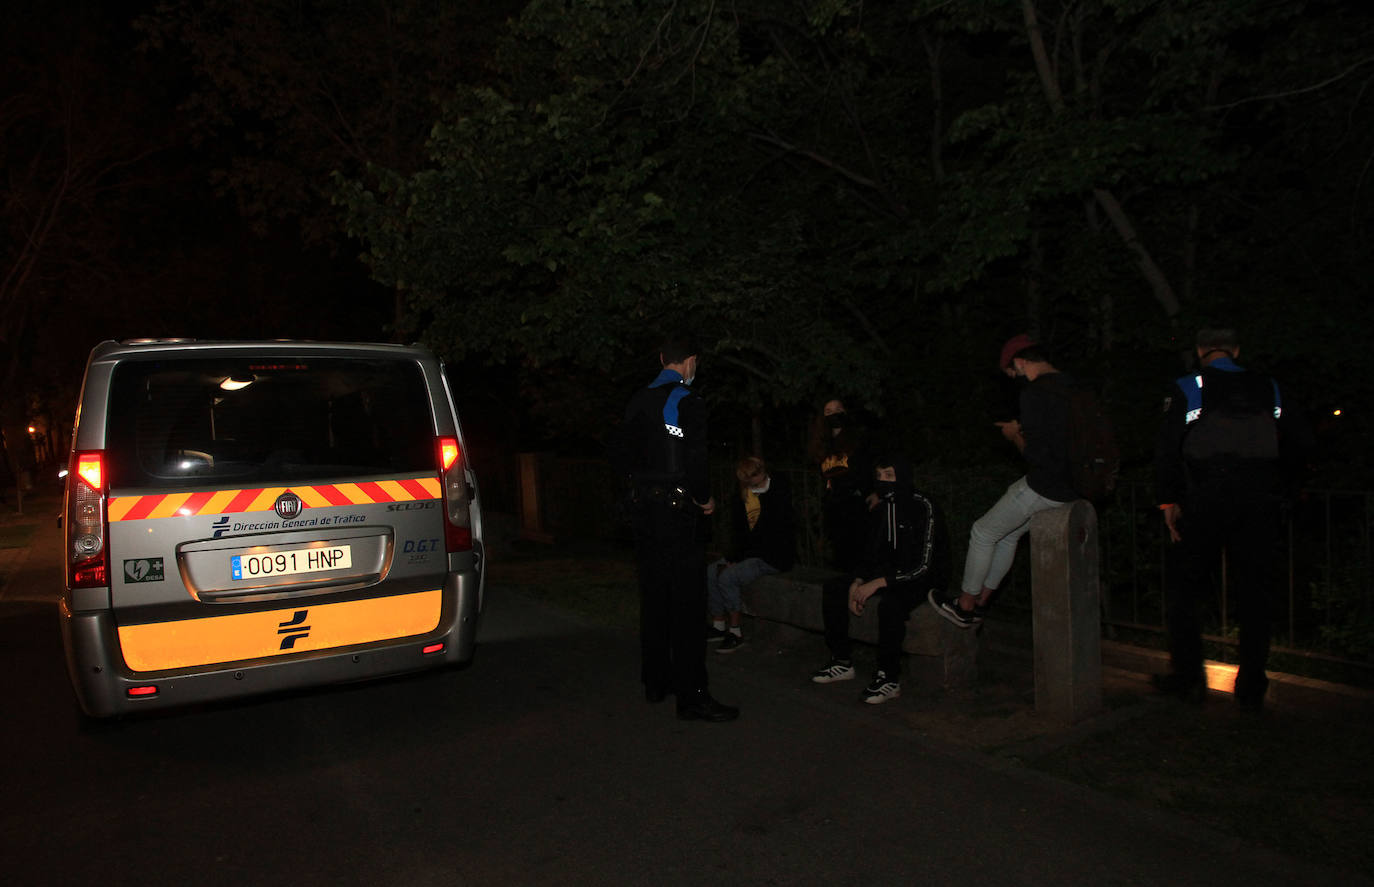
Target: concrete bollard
1066, 612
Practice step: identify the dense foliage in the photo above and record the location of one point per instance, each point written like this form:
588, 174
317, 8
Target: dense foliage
837, 197
866, 198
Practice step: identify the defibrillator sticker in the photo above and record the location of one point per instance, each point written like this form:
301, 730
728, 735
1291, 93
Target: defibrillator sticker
146, 569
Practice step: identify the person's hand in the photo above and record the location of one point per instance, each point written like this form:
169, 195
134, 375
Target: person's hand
860, 592
872, 501
1171, 515
1012, 432
710, 506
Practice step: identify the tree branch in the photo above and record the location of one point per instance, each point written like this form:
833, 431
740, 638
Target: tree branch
1292, 92
815, 158
1154, 275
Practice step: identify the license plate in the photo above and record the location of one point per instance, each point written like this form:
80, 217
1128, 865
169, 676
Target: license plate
296, 560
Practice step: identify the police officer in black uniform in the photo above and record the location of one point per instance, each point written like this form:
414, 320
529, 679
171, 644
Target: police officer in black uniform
661, 453
1220, 482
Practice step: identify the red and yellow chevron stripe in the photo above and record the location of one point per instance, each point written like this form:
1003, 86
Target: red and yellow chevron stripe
238, 501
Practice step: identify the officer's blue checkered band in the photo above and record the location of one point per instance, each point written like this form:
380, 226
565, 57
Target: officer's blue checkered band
670, 409
670, 405
1194, 394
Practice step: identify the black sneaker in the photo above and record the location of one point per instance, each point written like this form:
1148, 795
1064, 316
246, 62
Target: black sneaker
700, 706
835, 670
730, 643
950, 609
883, 689
715, 635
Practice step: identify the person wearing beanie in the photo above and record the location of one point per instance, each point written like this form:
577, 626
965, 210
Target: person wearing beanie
1042, 435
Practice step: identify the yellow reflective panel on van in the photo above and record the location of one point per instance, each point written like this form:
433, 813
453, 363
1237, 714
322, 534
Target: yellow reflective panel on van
369, 492
185, 643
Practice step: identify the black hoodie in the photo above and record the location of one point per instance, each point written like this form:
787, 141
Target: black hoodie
907, 537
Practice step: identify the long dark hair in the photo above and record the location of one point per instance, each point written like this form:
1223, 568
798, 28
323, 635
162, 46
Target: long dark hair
822, 442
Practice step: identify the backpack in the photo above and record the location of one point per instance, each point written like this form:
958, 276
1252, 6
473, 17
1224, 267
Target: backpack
1094, 458
1236, 419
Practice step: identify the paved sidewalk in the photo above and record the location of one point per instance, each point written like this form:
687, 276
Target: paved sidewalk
40, 513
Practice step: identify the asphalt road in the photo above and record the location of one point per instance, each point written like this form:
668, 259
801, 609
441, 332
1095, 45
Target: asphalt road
541, 764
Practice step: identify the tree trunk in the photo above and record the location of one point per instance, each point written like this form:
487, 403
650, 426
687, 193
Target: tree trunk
1049, 82
1037, 267
937, 122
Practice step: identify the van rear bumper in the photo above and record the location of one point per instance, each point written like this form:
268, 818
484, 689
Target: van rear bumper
102, 681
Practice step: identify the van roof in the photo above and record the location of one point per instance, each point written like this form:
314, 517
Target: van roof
126, 347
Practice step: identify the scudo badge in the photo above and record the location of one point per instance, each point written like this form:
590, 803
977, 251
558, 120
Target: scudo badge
288, 505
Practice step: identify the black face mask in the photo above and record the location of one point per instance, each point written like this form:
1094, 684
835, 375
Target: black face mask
885, 489
837, 420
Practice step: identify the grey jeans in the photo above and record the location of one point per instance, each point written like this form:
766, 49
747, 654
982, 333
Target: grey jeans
723, 587
992, 542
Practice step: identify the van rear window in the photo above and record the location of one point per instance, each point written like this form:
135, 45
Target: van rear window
213, 421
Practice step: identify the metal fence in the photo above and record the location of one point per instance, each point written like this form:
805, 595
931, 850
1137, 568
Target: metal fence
1323, 617
1325, 610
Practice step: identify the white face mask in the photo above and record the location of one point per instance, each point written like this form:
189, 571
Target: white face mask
758, 491
692, 370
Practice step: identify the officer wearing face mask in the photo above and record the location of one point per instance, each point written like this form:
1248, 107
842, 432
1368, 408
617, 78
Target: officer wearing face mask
905, 558
660, 449
838, 447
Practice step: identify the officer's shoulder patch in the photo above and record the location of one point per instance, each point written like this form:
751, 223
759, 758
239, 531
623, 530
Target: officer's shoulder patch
1168, 402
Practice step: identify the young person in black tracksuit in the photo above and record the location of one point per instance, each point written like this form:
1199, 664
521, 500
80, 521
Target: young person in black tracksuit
905, 558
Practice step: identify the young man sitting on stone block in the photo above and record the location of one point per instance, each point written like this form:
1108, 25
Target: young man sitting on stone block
763, 543
906, 557
1041, 434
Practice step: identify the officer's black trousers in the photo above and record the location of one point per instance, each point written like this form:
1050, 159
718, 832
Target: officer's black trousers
1247, 529
672, 602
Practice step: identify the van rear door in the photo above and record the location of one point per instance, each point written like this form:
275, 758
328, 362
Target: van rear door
257, 502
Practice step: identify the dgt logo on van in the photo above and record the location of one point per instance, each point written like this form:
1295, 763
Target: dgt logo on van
288, 505
293, 629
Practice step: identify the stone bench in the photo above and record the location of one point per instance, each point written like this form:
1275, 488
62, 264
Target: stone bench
937, 649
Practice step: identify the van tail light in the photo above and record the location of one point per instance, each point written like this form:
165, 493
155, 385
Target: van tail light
86, 528
457, 496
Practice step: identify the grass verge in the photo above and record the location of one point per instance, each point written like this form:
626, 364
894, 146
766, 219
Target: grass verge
1298, 783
